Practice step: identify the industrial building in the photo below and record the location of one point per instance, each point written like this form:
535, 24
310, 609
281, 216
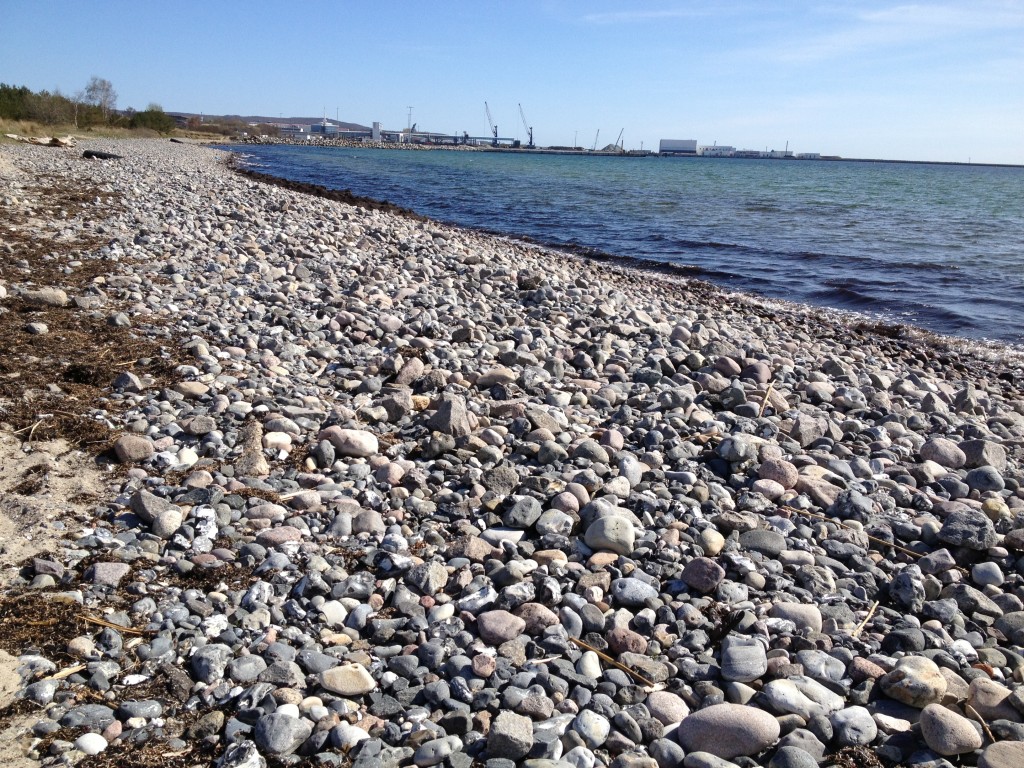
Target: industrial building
715, 150
678, 147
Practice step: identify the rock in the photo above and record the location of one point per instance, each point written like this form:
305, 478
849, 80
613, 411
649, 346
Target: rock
968, 528
510, 737
1002, 754
613, 533
853, 727
497, 627
133, 449
947, 733
437, 751
351, 442
803, 615
743, 659
46, 297
943, 452
91, 743
728, 731
451, 417
916, 681
991, 700
281, 734
702, 575
666, 707
348, 680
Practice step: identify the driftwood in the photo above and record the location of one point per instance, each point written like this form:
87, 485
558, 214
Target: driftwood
95, 154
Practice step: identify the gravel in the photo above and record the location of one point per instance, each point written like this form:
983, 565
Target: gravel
412, 487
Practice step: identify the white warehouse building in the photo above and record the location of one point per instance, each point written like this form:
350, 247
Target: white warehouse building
677, 147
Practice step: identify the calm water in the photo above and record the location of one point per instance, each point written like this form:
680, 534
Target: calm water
941, 247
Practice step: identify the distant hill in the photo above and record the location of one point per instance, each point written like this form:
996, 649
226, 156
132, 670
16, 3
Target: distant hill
268, 119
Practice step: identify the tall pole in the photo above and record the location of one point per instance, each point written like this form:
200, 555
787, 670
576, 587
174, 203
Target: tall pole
574, 135
409, 124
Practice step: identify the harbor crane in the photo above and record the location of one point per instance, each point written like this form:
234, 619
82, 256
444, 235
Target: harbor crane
596, 137
618, 141
529, 130
494, 128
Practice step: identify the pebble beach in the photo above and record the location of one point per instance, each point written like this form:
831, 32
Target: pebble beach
404, 494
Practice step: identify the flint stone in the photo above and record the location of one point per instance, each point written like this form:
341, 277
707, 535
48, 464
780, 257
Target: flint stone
728, 731
969, 528
947, 733
853, 727
614, 533
744, 659
208, 663
632, 593
281, 734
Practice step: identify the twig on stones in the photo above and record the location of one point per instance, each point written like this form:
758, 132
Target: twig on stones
613, 662
764, 400
111, 625
841, 524
67, 672
871, 612
977, 715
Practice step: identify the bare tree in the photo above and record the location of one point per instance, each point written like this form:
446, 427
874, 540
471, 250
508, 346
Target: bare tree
101, 93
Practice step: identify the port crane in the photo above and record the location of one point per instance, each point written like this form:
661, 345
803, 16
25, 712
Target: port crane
596, 137
618, 141
529, 130
494, 128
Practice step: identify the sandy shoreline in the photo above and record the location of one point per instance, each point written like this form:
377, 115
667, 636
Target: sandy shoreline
383, 487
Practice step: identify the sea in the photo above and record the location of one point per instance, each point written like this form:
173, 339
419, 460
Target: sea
939, 247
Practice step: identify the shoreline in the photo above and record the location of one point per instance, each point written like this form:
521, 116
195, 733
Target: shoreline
880, 325
385, 490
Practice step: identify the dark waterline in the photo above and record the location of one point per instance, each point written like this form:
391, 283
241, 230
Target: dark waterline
937, 246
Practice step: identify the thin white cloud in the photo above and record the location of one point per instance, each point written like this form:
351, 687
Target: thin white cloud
635, 17
903, 25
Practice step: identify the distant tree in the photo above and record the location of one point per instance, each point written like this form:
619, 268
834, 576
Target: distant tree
100, 93
153, 118
14, 102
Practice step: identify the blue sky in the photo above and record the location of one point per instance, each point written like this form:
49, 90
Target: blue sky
917, 81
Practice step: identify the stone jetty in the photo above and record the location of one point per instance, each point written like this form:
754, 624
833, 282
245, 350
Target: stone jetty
403, 494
